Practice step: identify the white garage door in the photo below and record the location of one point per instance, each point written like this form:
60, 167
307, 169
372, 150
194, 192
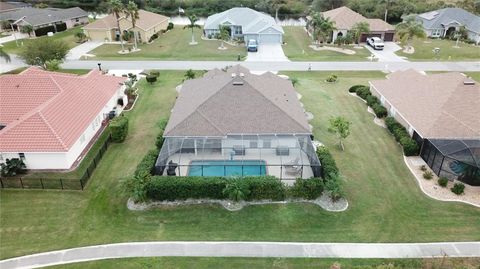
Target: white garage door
269, 38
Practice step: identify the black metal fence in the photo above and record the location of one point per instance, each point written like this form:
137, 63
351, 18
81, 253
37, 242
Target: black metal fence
57, 183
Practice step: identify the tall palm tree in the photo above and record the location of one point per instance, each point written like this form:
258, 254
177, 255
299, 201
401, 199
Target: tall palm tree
322, 27
132, 12
4, 55
410, 28
116, 8
193, 20
359, 28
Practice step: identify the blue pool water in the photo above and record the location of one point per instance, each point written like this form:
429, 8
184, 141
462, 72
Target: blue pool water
227, 168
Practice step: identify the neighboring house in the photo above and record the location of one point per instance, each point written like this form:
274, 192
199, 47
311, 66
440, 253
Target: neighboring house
444, 22
344, 19
106, 29
45, 20
246, 24
235, 123
442, 113
9, 6
49, 119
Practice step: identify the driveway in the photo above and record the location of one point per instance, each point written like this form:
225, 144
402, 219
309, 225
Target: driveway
77, 52
388, 53
267, 53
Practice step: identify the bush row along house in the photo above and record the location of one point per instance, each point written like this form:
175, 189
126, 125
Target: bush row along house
106, 29
49, 119
344, 19
44, 20
442, 113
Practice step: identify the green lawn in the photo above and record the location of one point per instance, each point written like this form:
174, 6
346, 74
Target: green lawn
195, 262
386, 204
67, 36
173, 46
448, 52
297, 48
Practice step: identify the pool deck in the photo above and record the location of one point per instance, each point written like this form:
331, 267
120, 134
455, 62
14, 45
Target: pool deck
273, 162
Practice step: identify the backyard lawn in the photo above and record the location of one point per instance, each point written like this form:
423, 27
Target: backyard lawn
386, 204
173, 45
67, 36
297, 48
448, 51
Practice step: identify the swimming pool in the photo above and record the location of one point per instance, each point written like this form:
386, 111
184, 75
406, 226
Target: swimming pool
227, 168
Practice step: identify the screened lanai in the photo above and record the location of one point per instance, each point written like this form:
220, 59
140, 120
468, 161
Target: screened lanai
454, 159
282, 156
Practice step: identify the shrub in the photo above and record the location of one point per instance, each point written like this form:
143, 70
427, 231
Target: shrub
380, 111
151, 78
355, 87
236, 190
12, 167
428, 175
443, 181
410, 147
147, 164
372, 100
52, 65
333, 186
390, 123
170, 26
329, 166
309, 189
423, 168
153, 37
119, 129
43, 50
159, 140
332, 78
155, 73
458, 188
363, 92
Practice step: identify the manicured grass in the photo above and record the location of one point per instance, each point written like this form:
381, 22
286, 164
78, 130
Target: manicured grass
67, 36
386, 204
173, 45
195, 262
297, 48
448, 52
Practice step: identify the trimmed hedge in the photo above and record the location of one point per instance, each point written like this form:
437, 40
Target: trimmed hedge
147, 164
363, 92
307, 188
329, 166
164, 188
159, 140
119, 129
380, 111
372, 100
354, 88
410, 147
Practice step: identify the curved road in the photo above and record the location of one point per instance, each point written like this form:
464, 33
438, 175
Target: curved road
245, 249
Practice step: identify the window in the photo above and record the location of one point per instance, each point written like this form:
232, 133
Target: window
77, 19
21, 156
253, 144
267, 144
437, 32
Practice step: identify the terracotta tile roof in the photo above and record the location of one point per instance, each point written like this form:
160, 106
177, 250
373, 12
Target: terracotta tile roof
47, 111
214, 106
345, 19
437, 106
146, 21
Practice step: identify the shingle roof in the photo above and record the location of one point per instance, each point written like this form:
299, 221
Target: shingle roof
47, 111
437, 106
438, 18
146, 21
7, 6
252, 21
215, 106
345, 19
40, 16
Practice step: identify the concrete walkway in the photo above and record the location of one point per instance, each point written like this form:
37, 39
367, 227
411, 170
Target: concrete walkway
77, 52
388, 53
267, 53
245, 249
12, 37
278, 65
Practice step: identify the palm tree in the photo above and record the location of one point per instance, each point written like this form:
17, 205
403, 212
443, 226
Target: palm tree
359, 28
277, 4
116, 8
322, 27
4, 55
193, 20
410, 28
132, 12
26, 29
223, 34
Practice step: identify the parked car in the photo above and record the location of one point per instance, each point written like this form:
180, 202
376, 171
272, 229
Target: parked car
376, 43
252, 45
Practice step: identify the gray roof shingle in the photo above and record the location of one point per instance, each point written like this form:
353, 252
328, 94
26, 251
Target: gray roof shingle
40, 16
438, 18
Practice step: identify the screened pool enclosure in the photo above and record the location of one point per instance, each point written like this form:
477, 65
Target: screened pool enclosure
454, 159
282, 156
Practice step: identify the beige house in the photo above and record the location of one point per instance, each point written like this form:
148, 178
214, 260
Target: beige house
106, 29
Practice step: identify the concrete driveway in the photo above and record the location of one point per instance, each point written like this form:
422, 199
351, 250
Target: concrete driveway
77, 52
267, 53
388, 53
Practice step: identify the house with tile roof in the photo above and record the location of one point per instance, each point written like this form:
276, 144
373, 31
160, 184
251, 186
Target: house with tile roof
106, 29
234, 122
344, 19
52, 19
444, 22
245, 23
442, 114
49, 119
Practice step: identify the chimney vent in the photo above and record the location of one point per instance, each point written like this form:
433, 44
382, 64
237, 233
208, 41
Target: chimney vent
234, 75
242, 75
238, 83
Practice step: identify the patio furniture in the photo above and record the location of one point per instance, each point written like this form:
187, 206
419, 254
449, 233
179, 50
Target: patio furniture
292, 162
293, 170
239, 150
172, 167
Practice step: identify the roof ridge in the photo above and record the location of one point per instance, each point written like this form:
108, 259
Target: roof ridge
52, 130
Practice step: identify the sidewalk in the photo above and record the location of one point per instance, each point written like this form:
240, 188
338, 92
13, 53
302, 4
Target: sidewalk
245, 249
